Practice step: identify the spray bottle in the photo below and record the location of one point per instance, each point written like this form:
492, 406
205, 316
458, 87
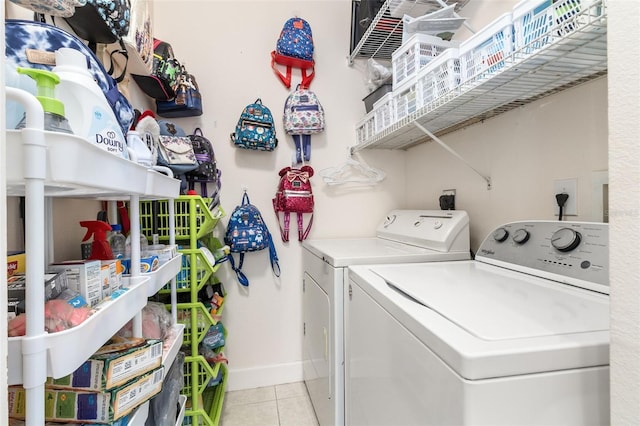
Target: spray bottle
88, 110
100, 248
46, 81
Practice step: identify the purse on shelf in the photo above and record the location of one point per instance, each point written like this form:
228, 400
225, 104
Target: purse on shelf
175, 150
186, 103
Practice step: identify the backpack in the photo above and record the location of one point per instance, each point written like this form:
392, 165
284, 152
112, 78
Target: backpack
294, 195
255, 128
294, 49
101, 21
247, 232
296, 40
207, 170
303, 116
162, 83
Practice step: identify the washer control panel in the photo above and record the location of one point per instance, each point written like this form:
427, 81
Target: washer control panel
573, 252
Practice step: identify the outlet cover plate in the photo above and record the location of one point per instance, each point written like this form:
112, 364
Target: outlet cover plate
568, 186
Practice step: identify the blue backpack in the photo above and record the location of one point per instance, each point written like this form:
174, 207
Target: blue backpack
296, 40
255, 128
247, 232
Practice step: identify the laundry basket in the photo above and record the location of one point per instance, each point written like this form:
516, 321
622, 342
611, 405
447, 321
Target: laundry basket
487, 51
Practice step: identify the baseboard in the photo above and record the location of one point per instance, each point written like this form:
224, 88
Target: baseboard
269, 375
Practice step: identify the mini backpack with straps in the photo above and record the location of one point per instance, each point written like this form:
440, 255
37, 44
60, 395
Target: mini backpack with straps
294, 195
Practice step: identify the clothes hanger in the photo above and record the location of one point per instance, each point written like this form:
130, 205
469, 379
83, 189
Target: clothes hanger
352, 171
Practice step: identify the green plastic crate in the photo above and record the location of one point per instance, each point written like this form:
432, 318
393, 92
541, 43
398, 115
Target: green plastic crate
155, 215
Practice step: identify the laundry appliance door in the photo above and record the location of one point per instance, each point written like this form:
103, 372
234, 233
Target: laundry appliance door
411, 362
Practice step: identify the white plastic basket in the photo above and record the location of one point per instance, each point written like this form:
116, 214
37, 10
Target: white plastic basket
366, 128
440, 77
405, 102
384, 112
537, 23
488, 50
414, 55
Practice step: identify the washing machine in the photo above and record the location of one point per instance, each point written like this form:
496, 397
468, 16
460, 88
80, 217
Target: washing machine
403, 236
517, 336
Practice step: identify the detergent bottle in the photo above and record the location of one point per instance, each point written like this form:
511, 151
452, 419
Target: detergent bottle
46, 81
100, 249
88, 110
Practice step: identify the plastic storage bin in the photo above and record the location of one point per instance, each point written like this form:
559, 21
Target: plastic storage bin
366, 128
537, 23
374, 96
440, 77
405, 103
384, 112
414, 55
487, 51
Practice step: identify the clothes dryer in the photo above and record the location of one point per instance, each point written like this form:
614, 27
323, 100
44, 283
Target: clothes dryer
404, 236
518, 336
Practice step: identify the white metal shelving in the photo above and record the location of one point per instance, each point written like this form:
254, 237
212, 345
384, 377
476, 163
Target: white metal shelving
567, 61
48, 164
384, 34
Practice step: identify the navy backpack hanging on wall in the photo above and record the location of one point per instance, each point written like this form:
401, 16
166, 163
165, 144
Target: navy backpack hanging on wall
248, 232
294, 49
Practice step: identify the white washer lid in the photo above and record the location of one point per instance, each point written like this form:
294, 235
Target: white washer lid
493, 304
459, 328
341, 252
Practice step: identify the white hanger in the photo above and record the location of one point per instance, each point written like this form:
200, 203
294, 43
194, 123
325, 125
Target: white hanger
352, 171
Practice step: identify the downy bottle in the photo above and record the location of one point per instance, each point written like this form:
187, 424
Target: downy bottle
87, 109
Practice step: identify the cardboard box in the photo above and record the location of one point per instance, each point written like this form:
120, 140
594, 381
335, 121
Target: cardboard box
16, 261
83, 276
107, 371
54, 284
88, 406
147, 264
110, 276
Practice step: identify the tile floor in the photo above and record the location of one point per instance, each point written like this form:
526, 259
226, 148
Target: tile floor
280, 405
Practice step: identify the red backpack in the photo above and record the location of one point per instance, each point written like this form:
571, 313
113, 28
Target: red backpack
294, 195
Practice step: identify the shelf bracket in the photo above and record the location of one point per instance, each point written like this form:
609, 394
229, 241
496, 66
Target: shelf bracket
454, 153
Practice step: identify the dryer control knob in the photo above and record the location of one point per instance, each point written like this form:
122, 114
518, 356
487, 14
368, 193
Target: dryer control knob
437, 224
500, 234
565, 239
521, 236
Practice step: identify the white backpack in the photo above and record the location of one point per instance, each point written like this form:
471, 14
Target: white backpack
303, 116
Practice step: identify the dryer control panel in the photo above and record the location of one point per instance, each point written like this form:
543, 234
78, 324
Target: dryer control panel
441, 230
576, 253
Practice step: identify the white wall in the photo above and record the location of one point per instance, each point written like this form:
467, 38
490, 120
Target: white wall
624, 153
227, 45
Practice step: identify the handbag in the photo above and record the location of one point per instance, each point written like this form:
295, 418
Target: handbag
176, 152
186, 103
101, 21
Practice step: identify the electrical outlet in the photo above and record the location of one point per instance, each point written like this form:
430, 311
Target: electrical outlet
569, 187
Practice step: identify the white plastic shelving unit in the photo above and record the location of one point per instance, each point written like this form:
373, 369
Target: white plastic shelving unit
48, 164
